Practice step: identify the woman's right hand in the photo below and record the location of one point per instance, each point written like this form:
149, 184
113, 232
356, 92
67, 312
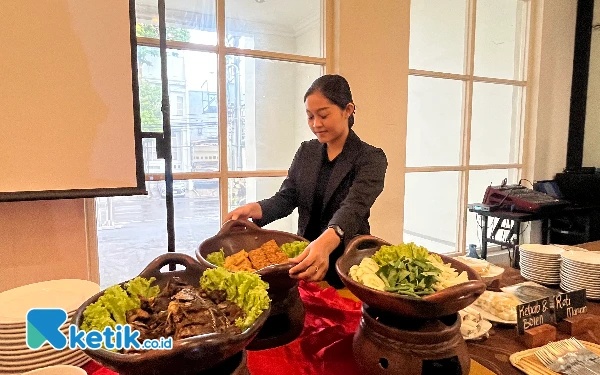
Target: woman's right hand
245, 212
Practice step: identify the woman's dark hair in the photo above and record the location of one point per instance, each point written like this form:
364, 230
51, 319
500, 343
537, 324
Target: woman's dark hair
335, 88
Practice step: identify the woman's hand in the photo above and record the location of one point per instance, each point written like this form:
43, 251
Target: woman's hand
245, 212
313, 263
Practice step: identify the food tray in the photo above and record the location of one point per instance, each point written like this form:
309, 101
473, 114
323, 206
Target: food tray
188, 356
236, 235
442, 303
527, 362
286, 320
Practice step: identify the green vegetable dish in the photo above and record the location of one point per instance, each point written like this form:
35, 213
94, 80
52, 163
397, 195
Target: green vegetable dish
222, 302
217, 258
293, 249
406, 269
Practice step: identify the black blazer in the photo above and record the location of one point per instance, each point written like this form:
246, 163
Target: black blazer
356, 181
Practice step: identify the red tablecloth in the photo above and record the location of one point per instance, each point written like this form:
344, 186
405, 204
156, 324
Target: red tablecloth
324, 347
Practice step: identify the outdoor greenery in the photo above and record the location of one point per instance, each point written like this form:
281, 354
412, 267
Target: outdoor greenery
151, 92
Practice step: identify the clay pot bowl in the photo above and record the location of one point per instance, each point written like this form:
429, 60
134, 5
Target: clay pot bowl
188, 356
445, 302
237, 235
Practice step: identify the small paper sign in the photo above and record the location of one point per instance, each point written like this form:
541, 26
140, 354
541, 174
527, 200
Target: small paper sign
534, 314
570, 304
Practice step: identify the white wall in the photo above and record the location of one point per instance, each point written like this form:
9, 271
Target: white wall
551, 75
371, 51
42, 241
549, 106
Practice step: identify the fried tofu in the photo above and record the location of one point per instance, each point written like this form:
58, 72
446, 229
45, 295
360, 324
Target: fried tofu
239, 262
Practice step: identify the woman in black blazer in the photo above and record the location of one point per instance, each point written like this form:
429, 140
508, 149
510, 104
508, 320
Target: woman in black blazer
333, 180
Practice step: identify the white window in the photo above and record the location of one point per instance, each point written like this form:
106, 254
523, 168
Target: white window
236, 81
465, 113
179, 108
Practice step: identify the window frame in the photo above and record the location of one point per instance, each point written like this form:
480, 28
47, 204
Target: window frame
221, 51
468, 79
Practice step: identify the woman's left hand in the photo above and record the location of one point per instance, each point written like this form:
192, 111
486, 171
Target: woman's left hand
313, 263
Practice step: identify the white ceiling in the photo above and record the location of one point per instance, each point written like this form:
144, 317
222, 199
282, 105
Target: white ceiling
289, 13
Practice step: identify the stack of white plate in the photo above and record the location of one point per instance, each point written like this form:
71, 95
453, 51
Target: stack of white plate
581, 270
540, 263
15, 355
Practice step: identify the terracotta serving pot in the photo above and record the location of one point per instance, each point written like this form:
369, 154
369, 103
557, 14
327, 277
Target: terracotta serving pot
286, 320
188, 356
445, 302
388, 345
237, 235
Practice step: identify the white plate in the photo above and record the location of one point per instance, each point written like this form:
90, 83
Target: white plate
584, 257
584, 266
18, 327
581, 285
18, 341
540, 274
589, 293
541, 249
544, 279
67, 360
491, 317
6, 354
485, 327
45, 357
581, 269
544, 282
67, 294
571, 248
592, 280
73, 362
541, 257
539, 265
58, 370
568, 274
11, 335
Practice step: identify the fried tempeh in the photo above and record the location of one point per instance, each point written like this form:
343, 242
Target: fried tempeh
274, 253
258, 258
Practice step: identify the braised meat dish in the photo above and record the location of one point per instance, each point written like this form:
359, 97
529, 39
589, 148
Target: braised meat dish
181, 310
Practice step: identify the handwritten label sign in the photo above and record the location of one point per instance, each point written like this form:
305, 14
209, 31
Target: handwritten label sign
570, 304
533, 314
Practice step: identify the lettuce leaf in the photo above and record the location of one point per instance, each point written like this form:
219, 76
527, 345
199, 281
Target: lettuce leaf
217, 258
243, 288
293, 249
111, 307
390, 254
97, 317
141, 287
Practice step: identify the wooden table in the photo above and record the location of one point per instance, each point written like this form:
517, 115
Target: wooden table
494, 352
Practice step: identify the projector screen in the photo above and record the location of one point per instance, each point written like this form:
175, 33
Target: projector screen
69, 107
